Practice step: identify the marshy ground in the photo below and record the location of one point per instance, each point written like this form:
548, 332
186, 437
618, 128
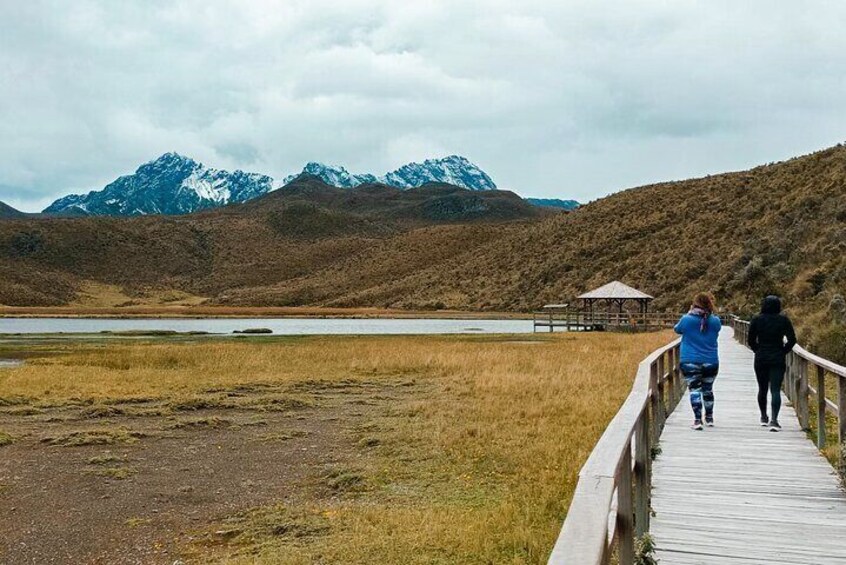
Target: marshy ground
395, 449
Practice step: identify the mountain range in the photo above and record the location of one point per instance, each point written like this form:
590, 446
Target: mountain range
778, 228
174, 184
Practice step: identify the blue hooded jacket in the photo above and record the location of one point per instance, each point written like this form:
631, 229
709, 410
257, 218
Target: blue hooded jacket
698, 346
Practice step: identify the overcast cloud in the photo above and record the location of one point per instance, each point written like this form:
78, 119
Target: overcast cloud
571, 99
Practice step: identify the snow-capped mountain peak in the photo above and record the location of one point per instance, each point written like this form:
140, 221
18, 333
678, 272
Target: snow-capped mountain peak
453, 169
336, 176
169, 184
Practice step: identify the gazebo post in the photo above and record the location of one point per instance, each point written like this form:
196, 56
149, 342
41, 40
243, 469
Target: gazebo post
590, 310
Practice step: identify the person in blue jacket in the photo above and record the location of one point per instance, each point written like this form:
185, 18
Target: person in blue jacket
699, 360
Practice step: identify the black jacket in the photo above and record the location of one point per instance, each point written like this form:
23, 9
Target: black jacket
767, 333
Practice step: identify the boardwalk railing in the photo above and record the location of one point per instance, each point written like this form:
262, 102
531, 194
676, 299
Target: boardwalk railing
552, 317
610, 507
803, 369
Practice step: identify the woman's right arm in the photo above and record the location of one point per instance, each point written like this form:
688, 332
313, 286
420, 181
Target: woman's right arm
678, 328
790, 334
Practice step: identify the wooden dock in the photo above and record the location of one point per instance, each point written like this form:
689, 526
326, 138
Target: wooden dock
738, 493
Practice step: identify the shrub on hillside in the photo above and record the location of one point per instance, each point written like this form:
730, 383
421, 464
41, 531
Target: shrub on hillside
831, 344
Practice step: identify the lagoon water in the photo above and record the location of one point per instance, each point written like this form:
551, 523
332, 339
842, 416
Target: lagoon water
280, 326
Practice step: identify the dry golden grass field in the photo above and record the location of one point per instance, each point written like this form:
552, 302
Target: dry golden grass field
386, 449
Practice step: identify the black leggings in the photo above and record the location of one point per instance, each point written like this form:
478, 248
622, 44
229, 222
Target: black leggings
770, 376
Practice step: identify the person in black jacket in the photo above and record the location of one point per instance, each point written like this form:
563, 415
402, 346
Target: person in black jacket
771, 337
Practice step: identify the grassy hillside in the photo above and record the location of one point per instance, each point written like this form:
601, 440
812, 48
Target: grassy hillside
776, 228
7, 211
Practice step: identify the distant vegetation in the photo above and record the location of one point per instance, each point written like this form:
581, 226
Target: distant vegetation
777, 228
554, 203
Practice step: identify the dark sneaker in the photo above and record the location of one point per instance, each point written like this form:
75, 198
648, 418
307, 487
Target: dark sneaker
709, 421
697, 425
775, 426
765, 421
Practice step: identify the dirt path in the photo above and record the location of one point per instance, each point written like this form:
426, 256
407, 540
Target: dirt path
149, 478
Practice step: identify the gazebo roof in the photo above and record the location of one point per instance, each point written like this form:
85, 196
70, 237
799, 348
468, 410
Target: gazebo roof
615, 290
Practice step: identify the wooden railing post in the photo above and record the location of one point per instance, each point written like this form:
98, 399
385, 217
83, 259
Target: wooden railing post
788, 378
662, 409
671, 382
625, 516
841, 423
802, 393
675, 374
820, 407
642, 472
654, 402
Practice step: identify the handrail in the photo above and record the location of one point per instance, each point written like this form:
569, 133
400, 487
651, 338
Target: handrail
802, 365
614, 480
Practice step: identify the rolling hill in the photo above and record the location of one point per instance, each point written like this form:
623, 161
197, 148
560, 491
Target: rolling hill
290, 233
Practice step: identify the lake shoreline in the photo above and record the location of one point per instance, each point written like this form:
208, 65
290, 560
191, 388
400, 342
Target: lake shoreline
267, 312
254, 327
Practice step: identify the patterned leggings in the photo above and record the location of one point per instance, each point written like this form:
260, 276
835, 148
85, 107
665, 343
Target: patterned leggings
700, 380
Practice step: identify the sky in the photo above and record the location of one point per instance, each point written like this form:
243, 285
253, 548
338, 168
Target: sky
568, 98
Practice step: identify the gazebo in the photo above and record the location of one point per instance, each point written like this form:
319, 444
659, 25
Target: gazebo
586, 318
617, 293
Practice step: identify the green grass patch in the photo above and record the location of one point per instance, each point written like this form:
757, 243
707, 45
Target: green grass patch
94, 437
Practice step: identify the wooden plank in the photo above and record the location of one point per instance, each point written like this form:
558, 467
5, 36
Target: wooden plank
582, 537
737, 493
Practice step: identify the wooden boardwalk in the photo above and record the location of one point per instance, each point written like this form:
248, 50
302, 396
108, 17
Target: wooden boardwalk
738, 493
